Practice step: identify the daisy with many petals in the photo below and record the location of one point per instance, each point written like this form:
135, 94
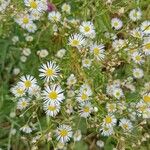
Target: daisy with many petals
23, 103
138, 73
126, 124
64, 133
116, 23
49, 71
51, 109
18, 90
109, 120
97, 51
106, 131
135, 15
53, 94
27, 82
54, 16
76, 40
137, 57
85, 109
87, 28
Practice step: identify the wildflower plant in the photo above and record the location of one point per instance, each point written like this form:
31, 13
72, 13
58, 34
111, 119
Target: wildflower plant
75, 74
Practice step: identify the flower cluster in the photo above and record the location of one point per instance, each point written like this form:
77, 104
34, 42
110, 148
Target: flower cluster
85, 82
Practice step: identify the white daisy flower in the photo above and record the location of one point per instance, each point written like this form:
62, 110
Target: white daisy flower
145, 27
141, 107
51, 109
111, 107
53, 94
83, 96
87, 28
24, 20
98, 51
86, 88
76, 40
35, 15
49, 71
71, 80
22, 103
137, 33
77, 135
135, 14
106, 131
85, 109
137, 57
116, 23
26, 129
64, 133
66, 8
27, 81
146, 46
109, 120
138, 73
118, 44
86, 62
125, 124
18, 90
118, 93
54, 16
36, 5
31, 27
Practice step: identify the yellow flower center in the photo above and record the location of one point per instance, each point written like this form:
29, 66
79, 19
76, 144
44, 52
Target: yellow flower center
33, 4
142, 108
49, 72
125, 126
96, 51
86, 61
148, 28
84, 96
86, 109
51, 108
53, 95
108, 119
27, 83
87, 28
75, 42
138, 58
63, 133
146, 98
24, 104
25, 20
135, 14
116, 24
20, 91
147, 46
117, 93
55, 18
111, 107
